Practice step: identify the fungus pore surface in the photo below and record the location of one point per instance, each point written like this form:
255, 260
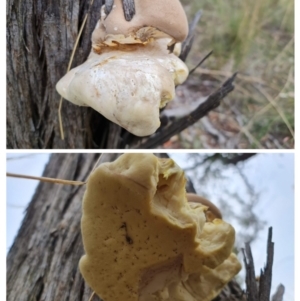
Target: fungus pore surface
145, 242
130, 73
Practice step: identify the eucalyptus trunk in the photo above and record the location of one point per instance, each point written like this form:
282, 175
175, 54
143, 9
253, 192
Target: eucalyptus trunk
40, 38
42, 263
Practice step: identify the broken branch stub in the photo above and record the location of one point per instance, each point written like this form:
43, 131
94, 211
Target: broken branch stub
259, 291
188, 42
128, 7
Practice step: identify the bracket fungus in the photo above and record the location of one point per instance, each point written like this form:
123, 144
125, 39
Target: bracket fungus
212, 211
145, 242
130, 73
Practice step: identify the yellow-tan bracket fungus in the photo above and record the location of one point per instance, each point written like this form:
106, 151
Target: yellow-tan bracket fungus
212, 211
130, 73
145, 242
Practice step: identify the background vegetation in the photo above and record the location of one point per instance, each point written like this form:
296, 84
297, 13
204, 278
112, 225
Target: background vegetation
255, 38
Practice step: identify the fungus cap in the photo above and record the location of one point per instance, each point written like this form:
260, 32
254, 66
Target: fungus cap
143, 240
167, 16
130, 74
212, 210
127, 87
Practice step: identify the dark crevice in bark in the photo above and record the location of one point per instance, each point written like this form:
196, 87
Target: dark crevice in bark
44, 212
39, 288
49, 140
52, 244
81, 291
67, 203
72, 245
78, 167
98, 130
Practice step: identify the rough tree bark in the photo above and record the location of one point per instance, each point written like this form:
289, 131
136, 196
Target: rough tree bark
40, 38
42, 264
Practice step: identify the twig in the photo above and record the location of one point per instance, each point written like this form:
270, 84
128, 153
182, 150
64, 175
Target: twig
240, 76
69, 67
200, 63
91, 297
188, 42
44, 179
181, 124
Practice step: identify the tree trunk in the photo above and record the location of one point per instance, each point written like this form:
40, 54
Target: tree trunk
40, 38
42, 264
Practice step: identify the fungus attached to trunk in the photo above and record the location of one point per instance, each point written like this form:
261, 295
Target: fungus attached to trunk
130, 73
145, 242
212, 211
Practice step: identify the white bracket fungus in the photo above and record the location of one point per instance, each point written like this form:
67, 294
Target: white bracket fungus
145, 242
130, 73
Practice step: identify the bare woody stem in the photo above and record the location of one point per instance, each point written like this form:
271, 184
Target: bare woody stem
262, 291
44, 179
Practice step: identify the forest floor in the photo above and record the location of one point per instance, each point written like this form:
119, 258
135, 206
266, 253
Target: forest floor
255, 38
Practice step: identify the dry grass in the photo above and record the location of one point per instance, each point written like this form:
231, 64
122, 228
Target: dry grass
255, 38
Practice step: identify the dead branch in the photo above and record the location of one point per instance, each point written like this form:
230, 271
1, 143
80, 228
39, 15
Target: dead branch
187, 44
212, 102
260, 291
252, 290
265, 281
